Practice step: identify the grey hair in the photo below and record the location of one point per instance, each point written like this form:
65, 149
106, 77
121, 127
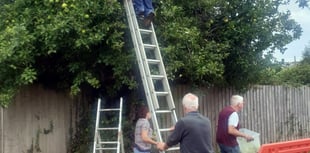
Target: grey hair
235, 100
190, 101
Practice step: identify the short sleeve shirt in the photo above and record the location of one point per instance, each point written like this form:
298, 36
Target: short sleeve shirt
233, 119
142, 124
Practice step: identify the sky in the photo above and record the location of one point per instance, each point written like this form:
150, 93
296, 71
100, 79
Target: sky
296, 48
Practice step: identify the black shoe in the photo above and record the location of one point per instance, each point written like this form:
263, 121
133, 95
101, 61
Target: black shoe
140, 16
149, 19
140, 19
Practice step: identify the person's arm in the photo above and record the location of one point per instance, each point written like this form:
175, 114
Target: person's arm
146, 138
172, 128
233, 131
232, 124
162, 146
176, 135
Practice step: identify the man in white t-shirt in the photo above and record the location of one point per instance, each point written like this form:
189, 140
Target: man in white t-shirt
228, 126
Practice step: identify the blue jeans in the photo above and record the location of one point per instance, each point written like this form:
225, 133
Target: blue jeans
143, 6
227, 149
135, 150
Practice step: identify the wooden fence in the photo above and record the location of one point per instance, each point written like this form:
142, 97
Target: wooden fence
278, 113
41, 120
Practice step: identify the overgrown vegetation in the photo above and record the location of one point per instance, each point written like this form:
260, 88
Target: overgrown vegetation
294, 74
297, 74
81, 45
70, 45
221, 43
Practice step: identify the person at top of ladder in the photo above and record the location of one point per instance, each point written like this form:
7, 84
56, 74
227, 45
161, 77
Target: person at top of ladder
193, 131
144, 10
143, 132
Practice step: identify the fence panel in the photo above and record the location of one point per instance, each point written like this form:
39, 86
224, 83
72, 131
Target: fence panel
40, 120
278, 113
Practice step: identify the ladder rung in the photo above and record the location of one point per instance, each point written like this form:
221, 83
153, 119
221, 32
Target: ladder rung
109, 128
157, 77
149, 46
163, 111
106, 148
162, 93
173, 148
111, 109
153, 61
108, 142
164, 130
145, 31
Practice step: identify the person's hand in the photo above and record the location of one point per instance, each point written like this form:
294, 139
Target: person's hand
248, 138
154, 137
161, 146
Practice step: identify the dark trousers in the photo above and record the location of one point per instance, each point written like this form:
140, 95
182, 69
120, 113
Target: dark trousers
228, 149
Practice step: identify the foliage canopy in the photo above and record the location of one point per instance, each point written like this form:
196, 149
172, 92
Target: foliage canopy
222, 42
297, 74
76, 45
63, 44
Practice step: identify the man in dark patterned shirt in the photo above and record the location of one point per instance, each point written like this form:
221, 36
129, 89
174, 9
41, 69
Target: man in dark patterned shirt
193, 131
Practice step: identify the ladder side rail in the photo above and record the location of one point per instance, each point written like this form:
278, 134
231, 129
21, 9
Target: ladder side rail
165, 79
154, 101
149, 82
163, 70
165, 82
122, 146
119, 125
155, 124
99, 142
121, 131
142, 54
144, 68
154, 105
96, 126
132, 17
148, 70
150, 91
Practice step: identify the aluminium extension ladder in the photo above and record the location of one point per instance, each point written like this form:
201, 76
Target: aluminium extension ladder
153, 74
108, 138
